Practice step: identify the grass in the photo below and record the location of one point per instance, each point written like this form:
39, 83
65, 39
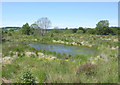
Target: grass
64, 69
59, 71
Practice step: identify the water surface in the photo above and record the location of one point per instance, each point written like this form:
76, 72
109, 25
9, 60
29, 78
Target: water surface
69, 50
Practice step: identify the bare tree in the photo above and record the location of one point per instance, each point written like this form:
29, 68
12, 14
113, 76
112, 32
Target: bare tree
43, 23
35, 26
37, 29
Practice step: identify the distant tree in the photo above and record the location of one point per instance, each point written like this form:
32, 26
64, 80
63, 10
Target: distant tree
35, 26
102, 24
79, 31
26, 29
102, 27
114, 30
90, 31
32, 30
66, 28
36, 29
56, 30
68, 31
74, 30
43, 23
81, 28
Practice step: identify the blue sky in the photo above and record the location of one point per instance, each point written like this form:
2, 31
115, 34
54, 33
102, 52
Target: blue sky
61, 14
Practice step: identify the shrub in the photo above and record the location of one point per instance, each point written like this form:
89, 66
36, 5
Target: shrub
69, 56
9, 34
88, 68
51, 35
32, 55
56, 38
79, 31
36, 53
58, 55
54, 53
23, 54
19, 54
11, 54
27, 77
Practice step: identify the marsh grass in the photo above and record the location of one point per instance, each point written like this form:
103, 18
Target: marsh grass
64, 68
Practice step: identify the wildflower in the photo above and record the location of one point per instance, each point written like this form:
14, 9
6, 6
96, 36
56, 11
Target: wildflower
93, 62
57, 59
96, 59
66, 60
98, 56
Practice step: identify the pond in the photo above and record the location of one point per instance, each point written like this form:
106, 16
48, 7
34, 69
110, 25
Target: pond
69, 50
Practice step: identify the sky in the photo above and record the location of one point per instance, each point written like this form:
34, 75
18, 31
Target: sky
61, 14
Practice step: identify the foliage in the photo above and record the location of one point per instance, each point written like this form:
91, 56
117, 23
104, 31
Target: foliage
26, 29
68, 31
56, 30
74, 30
90, 31
9, 34
43, 23
64, 67
79, 31
103, 27
27, 77
81, 28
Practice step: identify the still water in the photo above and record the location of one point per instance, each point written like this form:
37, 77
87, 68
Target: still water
69, 50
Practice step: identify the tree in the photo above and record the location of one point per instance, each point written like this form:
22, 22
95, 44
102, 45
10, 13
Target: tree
90, 31
102, 27
43, 23
81, 28
26, 29
66, 28
114, 30
74, 30
36, 28
102, 24
79, 31
68, 31
56, 30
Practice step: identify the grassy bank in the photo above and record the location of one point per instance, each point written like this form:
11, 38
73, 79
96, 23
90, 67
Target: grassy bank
62, 69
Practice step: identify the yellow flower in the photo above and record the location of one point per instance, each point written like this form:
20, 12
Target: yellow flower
57, 59
46, 58
66, 60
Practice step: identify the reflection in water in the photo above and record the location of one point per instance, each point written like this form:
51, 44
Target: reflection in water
69, 50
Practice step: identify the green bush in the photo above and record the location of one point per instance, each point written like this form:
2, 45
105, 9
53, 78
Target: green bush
56, 38
32, 55
27, 77
54, 53
36, 53
79, 31
58, 55
9, 34
51, 35
11, 54
19, 55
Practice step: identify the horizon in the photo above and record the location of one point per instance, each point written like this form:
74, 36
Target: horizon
61, 14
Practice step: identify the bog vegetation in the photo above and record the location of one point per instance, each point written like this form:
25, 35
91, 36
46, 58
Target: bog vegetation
25, 64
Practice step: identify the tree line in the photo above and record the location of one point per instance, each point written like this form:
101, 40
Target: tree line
41, 25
